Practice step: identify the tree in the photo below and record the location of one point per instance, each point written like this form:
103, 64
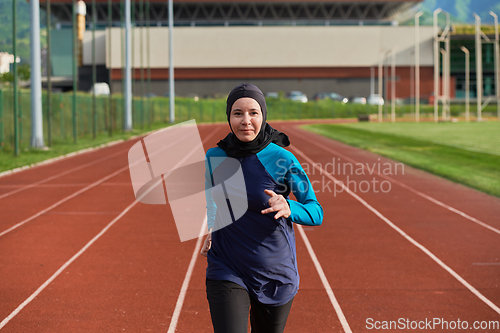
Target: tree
23, 72
6, 77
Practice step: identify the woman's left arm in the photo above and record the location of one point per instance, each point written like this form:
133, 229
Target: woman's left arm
306, 210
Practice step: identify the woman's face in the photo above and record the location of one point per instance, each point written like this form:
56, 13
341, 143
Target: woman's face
246, 118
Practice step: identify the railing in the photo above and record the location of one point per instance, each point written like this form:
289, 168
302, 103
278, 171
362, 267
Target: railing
149, 111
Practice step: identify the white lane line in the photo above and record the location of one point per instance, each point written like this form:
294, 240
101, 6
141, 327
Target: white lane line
55, 159
82, 213
324, 280
63, 267
92, 241
439, 203
423, 195
185, 283
43, 211
61, 174
402, 233
78, 152
80, 192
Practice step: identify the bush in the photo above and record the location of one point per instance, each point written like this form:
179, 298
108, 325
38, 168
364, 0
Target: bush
23, 72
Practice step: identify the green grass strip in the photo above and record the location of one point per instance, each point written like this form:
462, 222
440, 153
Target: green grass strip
475, 169
61, 147
482, 137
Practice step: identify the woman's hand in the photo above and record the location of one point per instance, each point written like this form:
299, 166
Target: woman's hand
277, 203
207, 244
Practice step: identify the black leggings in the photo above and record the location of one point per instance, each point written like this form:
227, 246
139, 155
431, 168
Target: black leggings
229, 306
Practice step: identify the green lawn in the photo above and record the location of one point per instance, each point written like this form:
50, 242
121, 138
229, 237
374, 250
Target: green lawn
463, 152
481, 137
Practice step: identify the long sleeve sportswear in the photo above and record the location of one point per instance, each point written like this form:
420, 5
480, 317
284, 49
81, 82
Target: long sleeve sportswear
256, 250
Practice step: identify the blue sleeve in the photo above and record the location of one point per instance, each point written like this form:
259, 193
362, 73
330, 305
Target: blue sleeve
211, 207
213, 158
306, 210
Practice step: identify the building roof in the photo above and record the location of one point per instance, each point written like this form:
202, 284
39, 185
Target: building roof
202, 12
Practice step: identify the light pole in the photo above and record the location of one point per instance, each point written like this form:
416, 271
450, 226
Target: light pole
444, 55
171, 59
479, 67
467, 82
412, 83
128, 70
372, 80
36, 78
148, 49
436, 63
393, 84
386, 84
94, 71
445, 37
49, 81
110, 76
417, 66
141, 56
16, 100
74, 69
380, 86
382, 73
497, 65
446, 67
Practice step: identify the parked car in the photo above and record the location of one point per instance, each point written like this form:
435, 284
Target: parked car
272, 94
297, 96
101, 88
330, 95
357, 100
321, 95
339, 98
375, 100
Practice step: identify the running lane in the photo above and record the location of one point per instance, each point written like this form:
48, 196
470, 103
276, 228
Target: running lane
26, 193
128, 279
378, 273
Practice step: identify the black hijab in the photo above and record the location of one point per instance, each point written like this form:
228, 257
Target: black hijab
231, 145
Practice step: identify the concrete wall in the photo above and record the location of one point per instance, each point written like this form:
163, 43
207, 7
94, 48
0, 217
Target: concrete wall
344, 86
345, 53
100, 47
233, 47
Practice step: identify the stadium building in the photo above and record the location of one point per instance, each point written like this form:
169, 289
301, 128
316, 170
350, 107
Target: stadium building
311, 46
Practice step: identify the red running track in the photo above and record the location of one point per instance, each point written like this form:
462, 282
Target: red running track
78, 254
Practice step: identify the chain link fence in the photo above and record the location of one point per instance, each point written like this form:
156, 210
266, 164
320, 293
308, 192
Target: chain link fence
154, 111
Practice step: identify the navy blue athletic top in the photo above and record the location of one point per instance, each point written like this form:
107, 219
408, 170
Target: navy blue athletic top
257, 251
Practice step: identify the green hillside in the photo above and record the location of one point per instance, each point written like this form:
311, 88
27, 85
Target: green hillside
23, 28
463, 10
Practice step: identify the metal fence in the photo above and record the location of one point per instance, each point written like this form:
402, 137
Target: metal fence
154, 112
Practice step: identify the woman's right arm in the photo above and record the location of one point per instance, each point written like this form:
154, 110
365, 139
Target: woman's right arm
211, 208
206, 244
